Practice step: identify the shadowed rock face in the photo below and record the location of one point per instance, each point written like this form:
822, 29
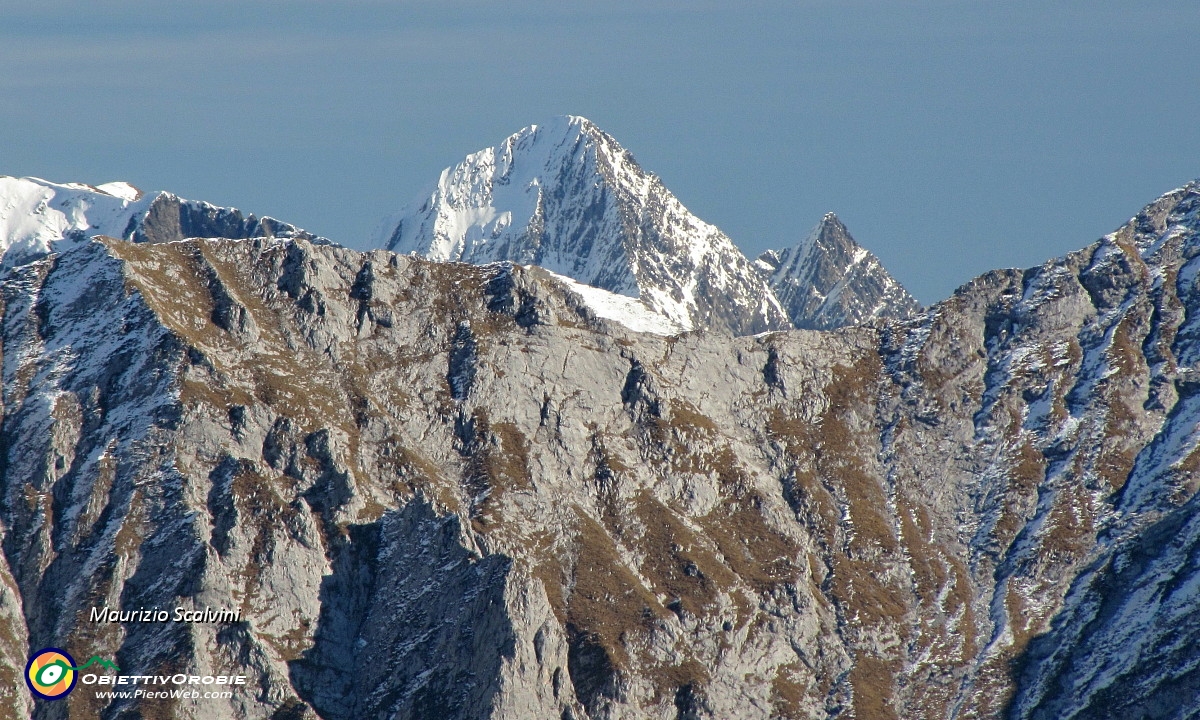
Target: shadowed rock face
170, 218
439, 490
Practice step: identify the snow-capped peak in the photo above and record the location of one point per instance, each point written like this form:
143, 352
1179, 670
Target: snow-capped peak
566, 196
36, 214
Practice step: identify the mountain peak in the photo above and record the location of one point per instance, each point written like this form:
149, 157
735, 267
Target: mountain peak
577, 123
564, 126
831, 224
559, 135
36, 214
828, 280
564, 146
566, 196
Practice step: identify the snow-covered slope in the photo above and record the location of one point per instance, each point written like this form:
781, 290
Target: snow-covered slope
567, 197
38, 217
829, 280
630, 312
36, 214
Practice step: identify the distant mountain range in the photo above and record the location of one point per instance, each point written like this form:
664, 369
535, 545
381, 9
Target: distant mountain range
566, 196
38, 217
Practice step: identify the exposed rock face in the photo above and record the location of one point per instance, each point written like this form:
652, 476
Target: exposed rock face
567, 197
441, 490
829, 281
172, 218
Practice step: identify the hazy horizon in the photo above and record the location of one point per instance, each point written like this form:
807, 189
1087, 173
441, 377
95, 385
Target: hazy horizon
950, 137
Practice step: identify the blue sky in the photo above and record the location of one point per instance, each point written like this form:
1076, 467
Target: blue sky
951, 137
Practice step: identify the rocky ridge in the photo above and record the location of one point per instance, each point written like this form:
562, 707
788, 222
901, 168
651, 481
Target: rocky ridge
456, 491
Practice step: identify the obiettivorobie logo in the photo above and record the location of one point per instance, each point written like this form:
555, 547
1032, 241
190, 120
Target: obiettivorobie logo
51, 673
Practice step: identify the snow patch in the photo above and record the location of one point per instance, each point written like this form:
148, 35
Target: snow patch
122, 190
627, 311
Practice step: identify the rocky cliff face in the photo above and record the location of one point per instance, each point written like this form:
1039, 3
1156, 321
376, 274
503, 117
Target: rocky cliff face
829, 281
441, 490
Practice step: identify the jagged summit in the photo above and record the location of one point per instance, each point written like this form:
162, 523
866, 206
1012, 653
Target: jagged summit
38, 217
566, 196
828, 280
470, 212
